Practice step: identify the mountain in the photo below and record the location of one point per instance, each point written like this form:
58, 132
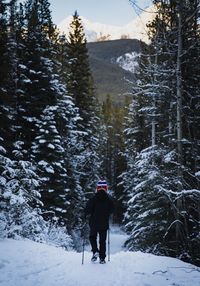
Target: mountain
136, 29
113, 53
113, 65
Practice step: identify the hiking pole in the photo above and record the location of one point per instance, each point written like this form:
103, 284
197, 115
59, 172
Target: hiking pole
83, 245
108, 244
83, 250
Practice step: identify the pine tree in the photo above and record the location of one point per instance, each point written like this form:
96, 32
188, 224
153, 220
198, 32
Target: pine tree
162, 83
80, 87
112, 149
67, 116
18, 179
20, 199
107, 112
67, 123
79, 76
4, 112
39, 138
8, 60
51, 117
151, 213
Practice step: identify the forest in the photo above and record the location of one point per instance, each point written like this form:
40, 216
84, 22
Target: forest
57, 139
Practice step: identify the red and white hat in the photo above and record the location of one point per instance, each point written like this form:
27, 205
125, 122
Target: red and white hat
102, 185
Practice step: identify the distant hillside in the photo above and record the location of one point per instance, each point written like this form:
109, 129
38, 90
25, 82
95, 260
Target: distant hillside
106, 50
109, 77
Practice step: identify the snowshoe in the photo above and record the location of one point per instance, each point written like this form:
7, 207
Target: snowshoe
95, 256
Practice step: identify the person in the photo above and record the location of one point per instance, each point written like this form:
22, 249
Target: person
99, 207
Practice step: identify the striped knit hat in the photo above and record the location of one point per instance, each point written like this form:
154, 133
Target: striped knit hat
102, 185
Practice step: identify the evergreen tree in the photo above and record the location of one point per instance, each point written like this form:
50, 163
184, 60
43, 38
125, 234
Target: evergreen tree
151, 212
67, 116
4, 56
163, 92
108, 161
19, 198
39, 137
79, 79
8, 60
112, 149
80, 87
51, 118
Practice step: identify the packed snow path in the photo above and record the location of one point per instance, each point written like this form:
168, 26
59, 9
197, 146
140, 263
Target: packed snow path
26, 263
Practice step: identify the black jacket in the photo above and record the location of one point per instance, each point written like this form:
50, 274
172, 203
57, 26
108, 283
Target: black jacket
99, 207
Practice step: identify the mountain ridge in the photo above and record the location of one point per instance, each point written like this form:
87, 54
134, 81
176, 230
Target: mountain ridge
95, 31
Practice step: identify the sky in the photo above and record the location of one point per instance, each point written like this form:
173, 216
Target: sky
113, 12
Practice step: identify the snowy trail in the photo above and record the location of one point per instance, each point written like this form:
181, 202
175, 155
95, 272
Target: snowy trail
26, 263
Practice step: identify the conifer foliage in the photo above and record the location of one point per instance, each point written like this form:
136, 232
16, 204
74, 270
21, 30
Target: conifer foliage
112, 149
80, 87
46, 136
51, 136
162, 177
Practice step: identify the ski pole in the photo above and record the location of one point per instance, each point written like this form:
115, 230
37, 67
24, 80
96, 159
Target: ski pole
83, 245
108, 244
83, 250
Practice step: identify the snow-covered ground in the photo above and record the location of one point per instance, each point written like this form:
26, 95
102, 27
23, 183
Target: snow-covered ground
27, 263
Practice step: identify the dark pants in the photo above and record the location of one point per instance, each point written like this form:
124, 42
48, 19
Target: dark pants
102, 242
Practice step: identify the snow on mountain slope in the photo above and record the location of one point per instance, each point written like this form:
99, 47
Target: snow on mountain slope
27, 263
136, 29
128, 61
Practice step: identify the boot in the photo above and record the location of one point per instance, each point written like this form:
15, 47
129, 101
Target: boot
95, 256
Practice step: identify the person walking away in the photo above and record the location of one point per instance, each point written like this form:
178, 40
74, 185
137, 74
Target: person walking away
99, 207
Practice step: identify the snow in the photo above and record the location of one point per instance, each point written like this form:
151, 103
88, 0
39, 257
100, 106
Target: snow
27, 263
23, 67
136, 196
128, 61
94, 31
51, 146
46, 166
2, 181
41, 141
